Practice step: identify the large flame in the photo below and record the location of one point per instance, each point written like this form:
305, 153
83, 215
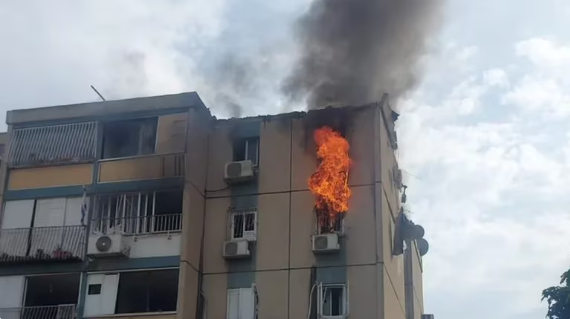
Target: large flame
330, 181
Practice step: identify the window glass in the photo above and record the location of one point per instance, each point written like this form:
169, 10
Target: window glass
147, 291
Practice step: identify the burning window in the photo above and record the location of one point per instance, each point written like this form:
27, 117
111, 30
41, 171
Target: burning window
333, 300
129, 138
247, 149
327, 223
243, 224
330, 181
138, 213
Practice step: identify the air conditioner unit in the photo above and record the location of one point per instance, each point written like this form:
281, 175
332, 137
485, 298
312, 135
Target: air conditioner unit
427, 316
325, 243
235, 249
237, 172
107, 246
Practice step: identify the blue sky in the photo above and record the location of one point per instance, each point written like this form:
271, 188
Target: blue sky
484, 138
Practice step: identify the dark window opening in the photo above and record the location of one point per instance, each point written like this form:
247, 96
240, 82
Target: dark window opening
129, 138
333, 301
147, 291
247, 149
94, 289
52, 290
168, 211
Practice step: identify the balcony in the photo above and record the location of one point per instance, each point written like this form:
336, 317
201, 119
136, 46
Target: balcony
145, 167
39, 312
61, 243
140, 225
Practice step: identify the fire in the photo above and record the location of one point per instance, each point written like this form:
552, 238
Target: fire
330, 181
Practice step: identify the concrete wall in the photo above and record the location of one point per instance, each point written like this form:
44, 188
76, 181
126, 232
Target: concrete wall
154, 245
42, 177
282, 256
141, 168
196, 149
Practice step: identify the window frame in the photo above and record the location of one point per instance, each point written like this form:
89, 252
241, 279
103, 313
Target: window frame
148, 289
321, 298
245, 143
340, 231
143, 215
249, 235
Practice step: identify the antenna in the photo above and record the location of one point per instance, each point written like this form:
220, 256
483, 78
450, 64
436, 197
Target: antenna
101, 96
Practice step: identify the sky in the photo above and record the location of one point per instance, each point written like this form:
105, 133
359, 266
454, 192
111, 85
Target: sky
484, 140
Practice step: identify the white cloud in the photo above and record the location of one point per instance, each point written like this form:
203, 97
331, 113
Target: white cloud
543, 90
491, 192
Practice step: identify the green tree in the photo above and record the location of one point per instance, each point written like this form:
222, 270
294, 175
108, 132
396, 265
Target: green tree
558, 298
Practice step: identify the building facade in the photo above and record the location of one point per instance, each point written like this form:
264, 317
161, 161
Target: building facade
152, 207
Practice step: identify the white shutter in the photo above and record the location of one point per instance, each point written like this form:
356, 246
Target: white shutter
18, 214
232, 306
247, 303
11, 291
104, 302
50, 212
73, 211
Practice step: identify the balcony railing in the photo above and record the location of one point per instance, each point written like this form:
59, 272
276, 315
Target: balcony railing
144, 167
40, 312
138, 225
42, 244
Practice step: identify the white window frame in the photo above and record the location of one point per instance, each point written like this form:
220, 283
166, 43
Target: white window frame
321, 299
246, 146
250, 235
239, 297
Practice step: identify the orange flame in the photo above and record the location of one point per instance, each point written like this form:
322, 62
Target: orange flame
330, 181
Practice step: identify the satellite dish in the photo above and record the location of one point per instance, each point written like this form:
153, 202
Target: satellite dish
418, 232
423, 246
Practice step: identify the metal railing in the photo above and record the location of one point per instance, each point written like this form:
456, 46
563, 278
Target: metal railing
39, 312
42, 243
138, 225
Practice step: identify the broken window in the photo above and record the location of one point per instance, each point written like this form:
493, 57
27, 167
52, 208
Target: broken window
147, 291
333, 300
247, 149
129, 138
327, 224
138, 213
243, 224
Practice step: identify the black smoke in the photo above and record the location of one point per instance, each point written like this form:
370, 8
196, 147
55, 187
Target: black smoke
353, 51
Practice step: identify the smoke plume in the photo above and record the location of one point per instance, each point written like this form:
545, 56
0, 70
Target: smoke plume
353, 51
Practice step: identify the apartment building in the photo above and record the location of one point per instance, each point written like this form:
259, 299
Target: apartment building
152, 207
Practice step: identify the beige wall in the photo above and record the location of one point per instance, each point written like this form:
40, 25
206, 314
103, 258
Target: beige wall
187, 291
286, 221
142, 168
171, 133
40, 177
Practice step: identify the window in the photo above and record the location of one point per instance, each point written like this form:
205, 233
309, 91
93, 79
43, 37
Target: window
52, 290
94, 289
333, 300
129, 138
138, 213
247, 149
244, 224
241, 303
147, 291
327, 224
